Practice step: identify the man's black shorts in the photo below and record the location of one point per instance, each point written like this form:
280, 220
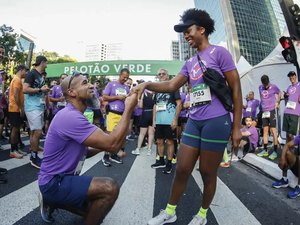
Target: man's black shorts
269, 121
164, 132
15, 119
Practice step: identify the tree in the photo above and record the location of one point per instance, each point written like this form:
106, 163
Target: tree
103, 80
53, 57
12, 55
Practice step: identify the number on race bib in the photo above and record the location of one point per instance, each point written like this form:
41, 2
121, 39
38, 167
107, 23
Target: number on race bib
291, 105
200, 95
266, 115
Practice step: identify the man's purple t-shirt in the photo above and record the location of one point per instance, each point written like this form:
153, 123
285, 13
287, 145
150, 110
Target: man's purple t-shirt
267, 96
254, 135
114, 88
56, 93
293, 105
214, 57
251, 108
64, 146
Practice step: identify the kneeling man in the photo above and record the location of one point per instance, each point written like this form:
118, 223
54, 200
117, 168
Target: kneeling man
70, 139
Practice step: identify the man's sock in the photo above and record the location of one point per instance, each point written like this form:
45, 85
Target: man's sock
284, 178
170, 209
265, 147
202, 212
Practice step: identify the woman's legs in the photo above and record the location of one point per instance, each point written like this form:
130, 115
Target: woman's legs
186, 159
209, 164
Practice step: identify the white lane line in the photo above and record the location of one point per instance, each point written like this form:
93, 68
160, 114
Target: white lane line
135, 203
226, 207
7, 146
19, 203
14, 163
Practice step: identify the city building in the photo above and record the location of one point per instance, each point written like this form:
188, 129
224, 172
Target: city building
240, 30
175, 50
279, 15
104, 51
185, 51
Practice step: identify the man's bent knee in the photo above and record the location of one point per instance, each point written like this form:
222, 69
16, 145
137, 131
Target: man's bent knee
104, 186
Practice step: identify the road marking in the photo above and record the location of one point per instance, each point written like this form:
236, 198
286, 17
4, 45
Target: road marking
136, 198
226, 207
24, 200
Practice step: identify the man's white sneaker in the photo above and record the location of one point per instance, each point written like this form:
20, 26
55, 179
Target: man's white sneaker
162, 218
135, 152
149, 151
198, 220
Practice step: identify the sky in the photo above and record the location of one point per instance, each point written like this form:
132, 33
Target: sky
145, 27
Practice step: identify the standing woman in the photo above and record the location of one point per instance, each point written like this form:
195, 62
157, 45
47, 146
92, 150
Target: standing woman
209, 125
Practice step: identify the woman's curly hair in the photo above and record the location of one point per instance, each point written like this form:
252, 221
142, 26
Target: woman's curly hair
202, 17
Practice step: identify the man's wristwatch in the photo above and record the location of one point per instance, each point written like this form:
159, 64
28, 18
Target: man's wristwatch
40, 90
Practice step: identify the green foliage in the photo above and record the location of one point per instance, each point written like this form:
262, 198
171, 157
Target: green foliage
53, 57
9, 40
102, 80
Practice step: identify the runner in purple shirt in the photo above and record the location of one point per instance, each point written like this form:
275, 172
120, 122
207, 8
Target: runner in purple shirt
70, 139
249, 136
183, 117
251, 106
115, 94
209, 126
57, 97
268, 94
292, 108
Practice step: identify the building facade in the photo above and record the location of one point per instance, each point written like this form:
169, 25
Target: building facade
185, 51
104, 51
175, 50
242, 32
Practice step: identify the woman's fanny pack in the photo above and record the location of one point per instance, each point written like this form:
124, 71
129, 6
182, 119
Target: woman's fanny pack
218, 85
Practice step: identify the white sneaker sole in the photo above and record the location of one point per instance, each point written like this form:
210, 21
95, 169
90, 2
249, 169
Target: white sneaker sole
171, 220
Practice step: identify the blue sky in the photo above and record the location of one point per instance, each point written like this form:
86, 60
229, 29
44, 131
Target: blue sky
145, 27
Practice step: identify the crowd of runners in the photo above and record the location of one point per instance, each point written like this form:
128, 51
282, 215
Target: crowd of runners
190, 117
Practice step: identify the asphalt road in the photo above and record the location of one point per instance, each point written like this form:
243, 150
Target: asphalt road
244, 196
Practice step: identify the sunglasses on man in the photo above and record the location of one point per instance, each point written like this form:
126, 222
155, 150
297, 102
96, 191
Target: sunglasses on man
74, 74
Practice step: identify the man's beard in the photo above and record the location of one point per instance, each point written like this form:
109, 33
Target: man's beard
93, 102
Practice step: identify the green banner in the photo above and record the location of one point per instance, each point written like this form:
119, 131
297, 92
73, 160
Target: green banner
136, 67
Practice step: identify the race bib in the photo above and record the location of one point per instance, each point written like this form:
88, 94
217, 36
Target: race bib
161, 107
121, 91
248, 109
266, 115
79, 166
200, 95
61, 104
291, 105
